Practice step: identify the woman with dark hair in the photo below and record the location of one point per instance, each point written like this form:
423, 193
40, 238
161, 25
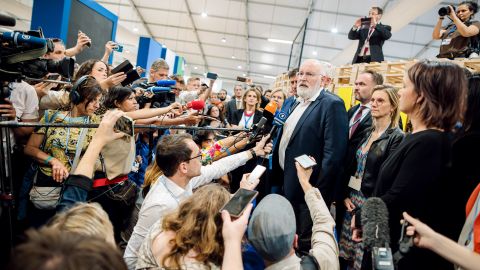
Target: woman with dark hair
101, 72
415, 178
215, 119
460, 37
467, 143
58, 150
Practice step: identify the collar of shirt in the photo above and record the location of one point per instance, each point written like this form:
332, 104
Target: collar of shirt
288, 263
175, 190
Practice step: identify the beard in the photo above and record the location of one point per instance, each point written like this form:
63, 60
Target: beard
307, 92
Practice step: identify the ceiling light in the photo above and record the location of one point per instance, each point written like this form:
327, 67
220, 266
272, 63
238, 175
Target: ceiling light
233, 56
135, 29
334, 30
127, 51
269, 77
204, 74
244, 74
240, 67
224, 40
314, 52
204, 14
195, 67
280, 41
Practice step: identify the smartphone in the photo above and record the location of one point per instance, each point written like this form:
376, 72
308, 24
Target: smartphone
124, 124
89, 44
305, 161
211, 75
118, 48
240, 200
365, 22
241, 79
124, 67
256, 173
132, 75
53, 77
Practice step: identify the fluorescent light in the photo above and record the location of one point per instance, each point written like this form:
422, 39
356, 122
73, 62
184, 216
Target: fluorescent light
244, 74
233, 56
127, 51
135, 29
195, 67
204, 14
224, 40
280, 41
314, 53
269, 77
240, 67
334, 30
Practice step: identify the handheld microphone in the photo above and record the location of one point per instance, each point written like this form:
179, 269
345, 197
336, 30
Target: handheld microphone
376, 233
196, 104
270, 110
257, 128
278, 122
165, 83
158, 89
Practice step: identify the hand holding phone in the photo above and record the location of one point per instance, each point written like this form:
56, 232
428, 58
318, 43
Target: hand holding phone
239, 202
305, 161
256, 173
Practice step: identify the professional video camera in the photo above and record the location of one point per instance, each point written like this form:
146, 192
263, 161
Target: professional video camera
163, 94
20, 54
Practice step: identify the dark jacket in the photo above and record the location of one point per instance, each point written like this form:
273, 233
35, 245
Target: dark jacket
382, 32
380, 149
237, 116
231, 108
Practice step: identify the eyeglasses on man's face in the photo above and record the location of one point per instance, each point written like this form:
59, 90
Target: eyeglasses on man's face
307, 74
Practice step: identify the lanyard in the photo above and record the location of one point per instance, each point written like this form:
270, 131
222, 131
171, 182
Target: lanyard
246, 120
67, 139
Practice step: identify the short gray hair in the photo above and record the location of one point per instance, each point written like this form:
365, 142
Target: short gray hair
160, 64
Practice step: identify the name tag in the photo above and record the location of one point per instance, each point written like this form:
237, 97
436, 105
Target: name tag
355, 183
446, 41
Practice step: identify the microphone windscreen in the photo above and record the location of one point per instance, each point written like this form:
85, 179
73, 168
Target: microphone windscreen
280, 118
270, 110
375, 228
166, 82
196, 104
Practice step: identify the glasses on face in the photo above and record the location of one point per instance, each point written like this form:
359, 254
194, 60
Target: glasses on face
307, 74
197, 156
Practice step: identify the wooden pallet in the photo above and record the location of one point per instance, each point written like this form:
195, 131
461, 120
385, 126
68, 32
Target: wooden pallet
395, 71
345, 75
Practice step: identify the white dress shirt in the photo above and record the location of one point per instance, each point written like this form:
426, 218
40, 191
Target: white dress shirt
166, 195
364, 113
290, 125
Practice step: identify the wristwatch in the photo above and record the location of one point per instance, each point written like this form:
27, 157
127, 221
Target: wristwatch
254, 155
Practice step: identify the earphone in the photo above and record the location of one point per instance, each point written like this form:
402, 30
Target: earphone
74, 94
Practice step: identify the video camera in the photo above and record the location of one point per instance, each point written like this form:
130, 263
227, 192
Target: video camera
20, 54
163, 94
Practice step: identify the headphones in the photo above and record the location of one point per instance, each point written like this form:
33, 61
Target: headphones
74, 94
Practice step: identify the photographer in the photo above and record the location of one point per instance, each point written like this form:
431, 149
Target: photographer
371, 35
460, 36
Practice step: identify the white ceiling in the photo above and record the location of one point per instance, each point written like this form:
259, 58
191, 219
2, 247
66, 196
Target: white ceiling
246, 25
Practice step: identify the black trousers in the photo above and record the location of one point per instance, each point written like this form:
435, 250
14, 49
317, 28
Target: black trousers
304, 226
363, 59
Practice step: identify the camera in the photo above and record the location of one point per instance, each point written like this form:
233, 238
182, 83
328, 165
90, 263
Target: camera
445, 10
163, 94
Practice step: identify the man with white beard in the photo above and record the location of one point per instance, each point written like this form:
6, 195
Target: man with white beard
318, 127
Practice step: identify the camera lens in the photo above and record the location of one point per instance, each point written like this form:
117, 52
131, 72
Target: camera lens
445, 10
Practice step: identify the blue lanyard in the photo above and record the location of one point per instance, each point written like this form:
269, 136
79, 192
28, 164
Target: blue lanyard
246, 120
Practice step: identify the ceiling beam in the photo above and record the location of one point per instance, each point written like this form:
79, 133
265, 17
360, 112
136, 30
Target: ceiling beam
247, 39
189, 12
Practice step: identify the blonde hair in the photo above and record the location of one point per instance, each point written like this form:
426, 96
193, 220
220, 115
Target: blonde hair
86, 219
259, 99
152, 173
393, 97
197, 225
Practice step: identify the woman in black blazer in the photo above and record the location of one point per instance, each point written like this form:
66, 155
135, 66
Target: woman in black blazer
245, 118
415, 179
250, 115
380, 141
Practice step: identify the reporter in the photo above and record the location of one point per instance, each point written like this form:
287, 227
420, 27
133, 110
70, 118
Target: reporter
460, 37
101, 72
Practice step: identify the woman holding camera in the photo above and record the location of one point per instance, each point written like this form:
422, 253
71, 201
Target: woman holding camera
460, 36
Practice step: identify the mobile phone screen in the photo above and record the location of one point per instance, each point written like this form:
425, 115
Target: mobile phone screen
124, 124
305, 161
239, 201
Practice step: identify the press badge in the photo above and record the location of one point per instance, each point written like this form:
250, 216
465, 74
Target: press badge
446, 41
355, 183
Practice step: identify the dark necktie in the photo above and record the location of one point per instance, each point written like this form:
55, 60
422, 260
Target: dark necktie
356, 120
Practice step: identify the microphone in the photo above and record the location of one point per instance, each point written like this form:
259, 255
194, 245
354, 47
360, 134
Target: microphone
270, 110
196, 104
158, 89
376, 233
256, 129
278, 122
165, 83
21, 39
7, 20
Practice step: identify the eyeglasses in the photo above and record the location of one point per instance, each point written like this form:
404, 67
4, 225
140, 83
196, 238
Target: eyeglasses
308, 74
197, 156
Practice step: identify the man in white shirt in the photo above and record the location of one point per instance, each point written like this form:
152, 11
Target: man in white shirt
179, 158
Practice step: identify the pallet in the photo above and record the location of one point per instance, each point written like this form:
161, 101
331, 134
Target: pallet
345, 75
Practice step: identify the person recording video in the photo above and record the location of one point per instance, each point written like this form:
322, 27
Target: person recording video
460, 36
371, 35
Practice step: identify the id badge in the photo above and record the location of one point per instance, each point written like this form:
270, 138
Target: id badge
355, 183
446, 41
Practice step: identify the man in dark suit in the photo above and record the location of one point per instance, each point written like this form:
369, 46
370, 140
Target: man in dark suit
235, 103
288, 104
318, 127
371, 35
